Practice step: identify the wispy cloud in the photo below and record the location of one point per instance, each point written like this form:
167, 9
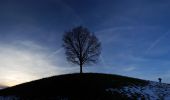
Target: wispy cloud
129, 69
111, 35
157, 41
56, 52
26, 61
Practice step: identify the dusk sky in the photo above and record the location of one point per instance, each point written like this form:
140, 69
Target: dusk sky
135, 37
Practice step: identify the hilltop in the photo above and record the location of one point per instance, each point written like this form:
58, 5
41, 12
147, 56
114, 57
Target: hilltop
87, 86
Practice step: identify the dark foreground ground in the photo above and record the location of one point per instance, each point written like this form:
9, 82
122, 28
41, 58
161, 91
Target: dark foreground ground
87, 86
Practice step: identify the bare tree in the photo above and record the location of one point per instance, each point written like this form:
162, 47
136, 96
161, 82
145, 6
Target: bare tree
81, 46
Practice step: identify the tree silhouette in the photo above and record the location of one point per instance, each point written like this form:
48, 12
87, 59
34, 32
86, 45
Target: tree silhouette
81, 46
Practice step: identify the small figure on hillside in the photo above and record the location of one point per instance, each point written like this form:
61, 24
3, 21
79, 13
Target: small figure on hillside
159, 80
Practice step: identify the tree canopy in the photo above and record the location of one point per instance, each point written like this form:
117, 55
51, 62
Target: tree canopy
81, 46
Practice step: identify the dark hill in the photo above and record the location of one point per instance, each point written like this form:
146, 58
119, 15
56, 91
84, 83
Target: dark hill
87, 86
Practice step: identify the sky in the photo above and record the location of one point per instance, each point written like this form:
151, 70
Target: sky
134, 35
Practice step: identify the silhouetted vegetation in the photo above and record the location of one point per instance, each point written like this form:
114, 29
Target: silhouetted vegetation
81, 46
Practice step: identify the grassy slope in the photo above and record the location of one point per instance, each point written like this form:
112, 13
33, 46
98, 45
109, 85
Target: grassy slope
88, 86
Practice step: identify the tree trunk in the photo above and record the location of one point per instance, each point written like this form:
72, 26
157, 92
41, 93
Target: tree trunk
81, 69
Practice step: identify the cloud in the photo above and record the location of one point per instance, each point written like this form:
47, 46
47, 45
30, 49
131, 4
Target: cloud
56, 52
24, 61
111, 35
157, 41
129, 69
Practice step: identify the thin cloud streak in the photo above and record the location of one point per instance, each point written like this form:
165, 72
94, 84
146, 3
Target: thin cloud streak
56, 52
157, 41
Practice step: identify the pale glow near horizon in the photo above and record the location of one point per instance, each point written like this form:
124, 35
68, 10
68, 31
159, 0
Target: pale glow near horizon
25, 62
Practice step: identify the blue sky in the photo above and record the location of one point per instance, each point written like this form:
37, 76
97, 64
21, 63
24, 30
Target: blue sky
134, 35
